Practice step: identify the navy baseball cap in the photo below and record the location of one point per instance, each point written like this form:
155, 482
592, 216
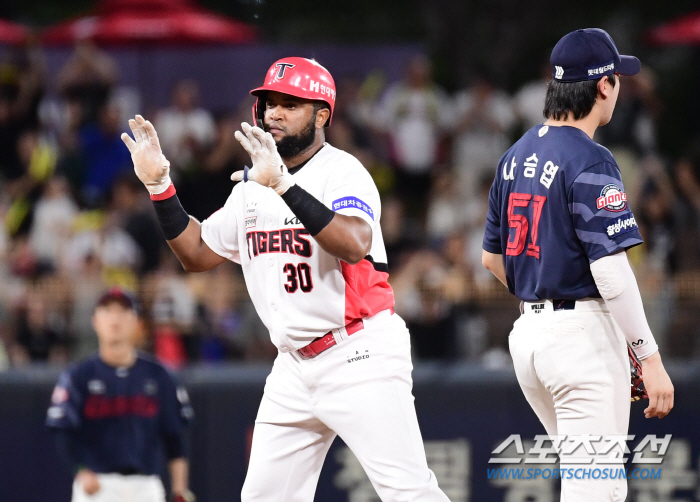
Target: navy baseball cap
120, 296
589, 54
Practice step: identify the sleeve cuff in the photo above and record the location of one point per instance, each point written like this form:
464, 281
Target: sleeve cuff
353, 211
491, 249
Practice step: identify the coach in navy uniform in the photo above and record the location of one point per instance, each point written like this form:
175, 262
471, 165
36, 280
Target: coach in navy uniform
116, 413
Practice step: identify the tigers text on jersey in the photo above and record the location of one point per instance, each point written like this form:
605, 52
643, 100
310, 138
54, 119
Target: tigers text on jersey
300, 291
123, 418
556, 205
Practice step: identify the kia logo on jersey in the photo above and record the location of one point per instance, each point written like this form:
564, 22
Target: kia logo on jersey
612, 198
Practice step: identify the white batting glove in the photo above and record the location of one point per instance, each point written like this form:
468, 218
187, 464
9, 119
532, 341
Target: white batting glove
150, 165
268, 168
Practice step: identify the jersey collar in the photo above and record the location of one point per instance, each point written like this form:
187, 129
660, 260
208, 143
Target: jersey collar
296, 168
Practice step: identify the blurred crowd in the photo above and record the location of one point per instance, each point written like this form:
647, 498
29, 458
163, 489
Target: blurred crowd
75, 219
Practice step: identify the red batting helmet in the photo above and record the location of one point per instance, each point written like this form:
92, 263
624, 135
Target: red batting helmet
300, 77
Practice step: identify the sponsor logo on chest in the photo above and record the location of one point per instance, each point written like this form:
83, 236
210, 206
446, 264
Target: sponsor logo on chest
96, 387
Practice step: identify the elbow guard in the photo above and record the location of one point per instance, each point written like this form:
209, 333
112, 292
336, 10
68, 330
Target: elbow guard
608, 276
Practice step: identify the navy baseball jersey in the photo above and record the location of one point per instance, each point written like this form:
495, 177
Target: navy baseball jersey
556, 205
121, 419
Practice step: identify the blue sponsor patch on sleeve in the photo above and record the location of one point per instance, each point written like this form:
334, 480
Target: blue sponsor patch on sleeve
352, 202
620, 225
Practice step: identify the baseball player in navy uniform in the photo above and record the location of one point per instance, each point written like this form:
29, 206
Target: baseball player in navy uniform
116, 414
304, 225
557, 230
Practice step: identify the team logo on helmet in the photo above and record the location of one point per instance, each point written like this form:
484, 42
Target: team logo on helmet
281, 68
612, 198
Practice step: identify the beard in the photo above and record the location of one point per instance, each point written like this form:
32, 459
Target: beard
291, 146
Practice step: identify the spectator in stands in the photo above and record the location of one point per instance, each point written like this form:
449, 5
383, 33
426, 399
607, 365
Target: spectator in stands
21, 89
38, 160
419, 287
687, 211
528, 102
656, 222
88, 283
184, 129
173, 309
51, 229
106, 159
87, 79
484, 116
415, 113
209, 185
399, 236
476, 210
39, 337
632, 132
447, 210
99, 237
135, 215
228, 326
633, 125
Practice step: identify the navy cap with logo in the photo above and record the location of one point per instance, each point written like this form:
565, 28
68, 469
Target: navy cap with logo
589, 54
120, 296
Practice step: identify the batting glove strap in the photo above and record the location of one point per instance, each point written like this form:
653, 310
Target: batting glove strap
162, 189
165, 194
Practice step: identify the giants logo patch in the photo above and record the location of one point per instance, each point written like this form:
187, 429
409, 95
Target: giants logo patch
612, 198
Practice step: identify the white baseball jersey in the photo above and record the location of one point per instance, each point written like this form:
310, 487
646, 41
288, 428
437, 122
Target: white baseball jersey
300, 291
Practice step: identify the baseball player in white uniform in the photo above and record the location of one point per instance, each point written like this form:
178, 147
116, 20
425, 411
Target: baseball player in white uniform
304, 225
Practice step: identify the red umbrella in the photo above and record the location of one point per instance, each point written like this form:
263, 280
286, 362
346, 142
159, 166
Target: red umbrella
12, 33
134, 22
682, 31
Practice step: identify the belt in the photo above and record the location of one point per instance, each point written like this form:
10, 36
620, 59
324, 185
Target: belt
128, 471
325, 342
554, 305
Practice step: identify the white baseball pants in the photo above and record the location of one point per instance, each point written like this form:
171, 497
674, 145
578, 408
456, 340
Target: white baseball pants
573, 368
120, 488
360, 390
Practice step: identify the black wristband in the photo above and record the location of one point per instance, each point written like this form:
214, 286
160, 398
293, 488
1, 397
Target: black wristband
172, 217
312, 213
